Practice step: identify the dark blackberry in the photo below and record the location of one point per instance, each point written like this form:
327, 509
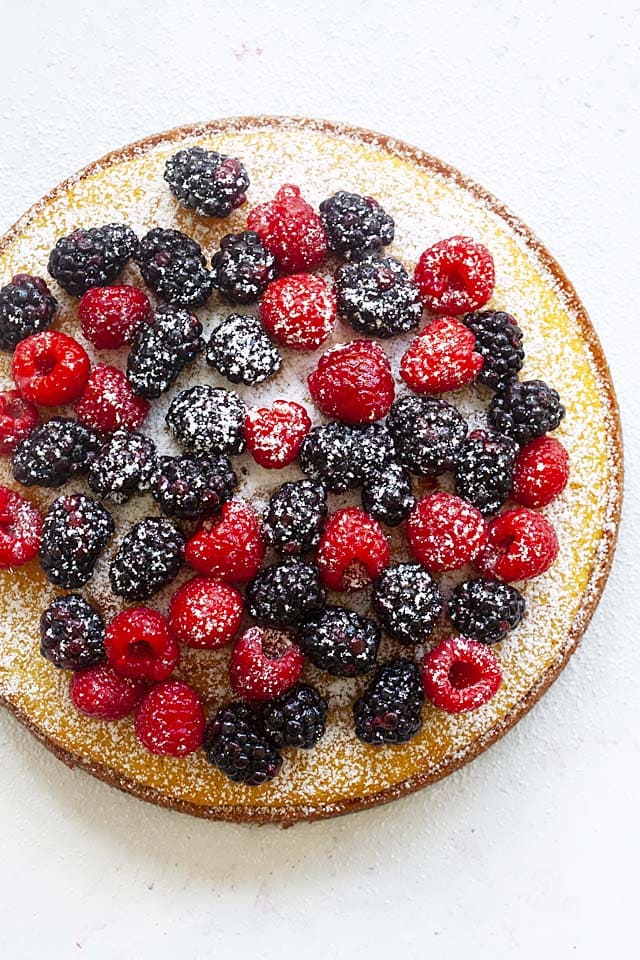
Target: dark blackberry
355, 225
235, 742
149, 557
484, 469
407, 601
243, 268
54, 452
210, 183
525, 410
123, 240
241, 351
427, 434
296, 718
124, 466
486, 610
161, 350
377, 296
286, 594
75, 531
208, 420
174, 267
295, 517
388, 495
92, 258
72, 633
26, 307
499, 343
193, 487
341, 642
342, 457
390, 709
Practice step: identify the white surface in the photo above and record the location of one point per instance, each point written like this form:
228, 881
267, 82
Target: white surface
533, 849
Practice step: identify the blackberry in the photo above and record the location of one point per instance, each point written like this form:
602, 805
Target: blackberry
54, 452
499, 343
235, 742
390, 709
173, 265
193, 487
296, 718
486, 610
355, 225
124, 466
75, 531
26, 307
149, 557
243, 268
72, 633
342, 457
341, 642
210, 183
286, 594
427, 434
295, 517
161, 350
241, 351
92, 258
377, 296
484, 469
407, 601
388, 495
208, 420
526, 410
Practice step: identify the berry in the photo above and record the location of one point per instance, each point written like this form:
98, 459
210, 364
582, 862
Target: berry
173, 265
18, 419
170, 721
91, 258
461, 675
54, 452
285, 594
353, 383
206, 614
484, 470
72, 633
75, 531
230, 546
341, 642
240, 350
455, 275
26, 307
291, 230
355, 225
390, 709
102, 693
407, 601
208, 420
50, 368
297, 718
441, 358
342, 457
444, 532
193, 487
541, 472
210, 183
388, 495
521, 544
295, 517
526, 410
499, 343
243, 268
109, 316
377, 297
274, 434
236, 743
141, 646
20, 529
149, 557
485, 610
161, 350
108, 403
264, 663
299, 311
125, 465
353, 550
427, 434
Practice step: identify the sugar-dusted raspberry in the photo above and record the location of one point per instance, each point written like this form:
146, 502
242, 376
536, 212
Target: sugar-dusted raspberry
140, 645
50, 368
441, 358
264, 663
206, 614
541, 472
20, 529
291, 230
108, 403
18, 419
455, 275
521, 544
109, 316
170, 720
461, 675
299, 311
274, 434
353, 382
352, 551
102, 693
445, 532
230, 546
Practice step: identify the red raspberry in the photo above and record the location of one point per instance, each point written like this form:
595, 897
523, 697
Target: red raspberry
108, 403
170, 720
521, 544
264, 663
291, 230
461, 675
441, 358
102, 693
541, 472
109, 316
353, 382
445, 531
230, 546
18, 418
206, 614
50, 368
274, 434
20, 529
455, 275
299, 311
353, 550
140, 645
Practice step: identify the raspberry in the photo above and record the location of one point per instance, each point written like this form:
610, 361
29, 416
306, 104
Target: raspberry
390, 709
193, 487
240, 350
108, 403
20, 529
208, 420
50, 368
72, 633
341, 642
149, 557
54, 452
294, 520
18, 419
173, 265
75, 531
26, 307
170, 720
109, 316
299, 311
484, 470
521, 544
353, 383
541, 472
297, 718
210, 183
377, 297
445, 532
264, 663
461, 675
274, 434
243, 268
291, 230
285, 594
230, 546
236, 743
353, 550
162, 349
102, 693
486, 610
499, 342
388, 495
407, 601
206, 614
91, 258
141, 646
355, 225
342, 457
441, 358
526, 410
427, 434
455, 275
125, 465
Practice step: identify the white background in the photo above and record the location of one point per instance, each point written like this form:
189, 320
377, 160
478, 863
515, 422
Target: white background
533, 849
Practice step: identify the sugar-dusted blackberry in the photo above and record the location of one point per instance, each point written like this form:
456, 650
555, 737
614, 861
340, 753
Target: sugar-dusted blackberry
296, 718
236, 743
341, 642
286, 594
241, 351
92, 258
26, 307
499, 343
208, 420
123, 240
161, 350
75, 531
390, 709
377, 296
210, 183
54, 452
173, 265
72, 633
295, 517
484, 469
342, 457
407, 601
388, 495
243, 268
124, 466
355, 225
193, 487
486, 610
525, 410
149, 557
427, 434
